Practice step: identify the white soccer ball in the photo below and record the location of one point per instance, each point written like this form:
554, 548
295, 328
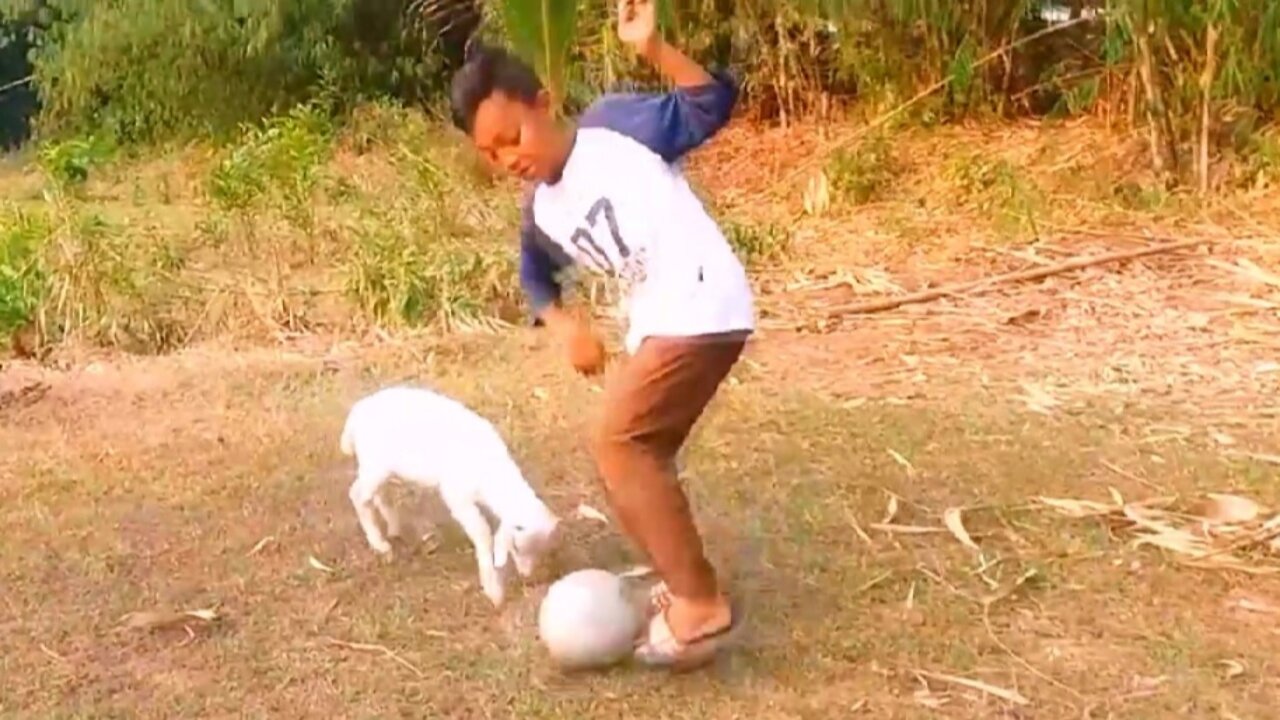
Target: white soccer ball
588, 621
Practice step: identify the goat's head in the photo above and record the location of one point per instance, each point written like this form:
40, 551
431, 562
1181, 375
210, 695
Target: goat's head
525, 542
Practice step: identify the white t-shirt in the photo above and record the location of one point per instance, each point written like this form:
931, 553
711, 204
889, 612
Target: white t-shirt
622, 207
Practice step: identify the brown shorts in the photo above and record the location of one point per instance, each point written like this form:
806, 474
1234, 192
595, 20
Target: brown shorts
651, 404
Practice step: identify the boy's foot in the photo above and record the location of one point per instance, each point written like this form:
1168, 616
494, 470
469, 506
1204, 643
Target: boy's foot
658, 645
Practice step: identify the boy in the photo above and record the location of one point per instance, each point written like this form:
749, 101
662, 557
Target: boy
609, 195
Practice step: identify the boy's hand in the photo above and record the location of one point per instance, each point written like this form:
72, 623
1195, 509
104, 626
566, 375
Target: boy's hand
638, 25
586, 352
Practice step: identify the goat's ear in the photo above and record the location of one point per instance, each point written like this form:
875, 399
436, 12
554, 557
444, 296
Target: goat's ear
503, 546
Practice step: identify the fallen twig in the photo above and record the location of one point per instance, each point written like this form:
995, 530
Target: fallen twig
385, 651
261, 544
1012, 696
1014, 277
987, 603
908, 529
1131, 476
862, 534
51, 654
1259, 457
873, 582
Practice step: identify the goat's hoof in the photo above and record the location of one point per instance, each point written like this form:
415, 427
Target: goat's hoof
381, 547
496, 594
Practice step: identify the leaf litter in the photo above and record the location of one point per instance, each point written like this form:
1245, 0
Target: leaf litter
1221, 532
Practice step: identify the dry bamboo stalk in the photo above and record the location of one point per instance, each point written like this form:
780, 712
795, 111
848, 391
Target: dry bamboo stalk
1021, 276
1146, 73
1206, 89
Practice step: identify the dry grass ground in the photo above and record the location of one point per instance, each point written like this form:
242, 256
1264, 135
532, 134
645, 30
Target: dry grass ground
210, 479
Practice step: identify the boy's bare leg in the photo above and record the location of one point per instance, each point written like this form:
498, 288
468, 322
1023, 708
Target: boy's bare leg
650, 407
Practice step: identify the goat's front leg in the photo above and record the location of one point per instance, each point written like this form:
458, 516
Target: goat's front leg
390, 517
477, 528
363, 494
422, 523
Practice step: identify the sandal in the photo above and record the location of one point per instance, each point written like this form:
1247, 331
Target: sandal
659, 647
659, 599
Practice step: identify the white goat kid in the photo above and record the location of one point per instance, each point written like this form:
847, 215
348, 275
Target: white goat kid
430, 440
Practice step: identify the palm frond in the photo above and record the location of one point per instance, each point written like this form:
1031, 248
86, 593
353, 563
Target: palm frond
544, 33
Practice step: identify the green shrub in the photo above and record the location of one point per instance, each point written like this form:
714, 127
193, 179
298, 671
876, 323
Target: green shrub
23, 281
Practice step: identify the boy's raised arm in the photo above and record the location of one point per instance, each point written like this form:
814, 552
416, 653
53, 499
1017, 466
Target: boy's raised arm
674, 123
638, 27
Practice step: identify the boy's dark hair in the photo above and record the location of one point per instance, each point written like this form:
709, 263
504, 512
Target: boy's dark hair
486, 71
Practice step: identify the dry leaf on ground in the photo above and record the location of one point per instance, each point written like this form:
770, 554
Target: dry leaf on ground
930, 699
314, 562
157, 620
951, 517
1230, 509
586, 512
1231, 669
892, 511
903, 461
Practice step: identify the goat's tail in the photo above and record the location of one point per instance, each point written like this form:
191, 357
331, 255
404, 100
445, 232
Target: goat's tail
348, 442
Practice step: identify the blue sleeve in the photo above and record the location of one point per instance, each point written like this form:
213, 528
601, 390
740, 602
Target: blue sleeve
670, 124
538, 267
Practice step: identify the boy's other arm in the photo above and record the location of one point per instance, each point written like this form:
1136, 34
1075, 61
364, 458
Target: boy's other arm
538, 270
538, 267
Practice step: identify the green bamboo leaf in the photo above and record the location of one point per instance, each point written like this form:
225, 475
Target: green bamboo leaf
543, 32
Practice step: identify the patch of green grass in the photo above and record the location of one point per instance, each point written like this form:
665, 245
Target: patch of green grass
999, 189
23, 284
67, 163
400, 279
1142, 197
275, 166
281, 231
862, 174
72, 274
758, 245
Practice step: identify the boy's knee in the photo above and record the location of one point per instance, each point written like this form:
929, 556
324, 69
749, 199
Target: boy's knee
615, 453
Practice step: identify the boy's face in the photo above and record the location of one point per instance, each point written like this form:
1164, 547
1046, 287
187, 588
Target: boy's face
518, 137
